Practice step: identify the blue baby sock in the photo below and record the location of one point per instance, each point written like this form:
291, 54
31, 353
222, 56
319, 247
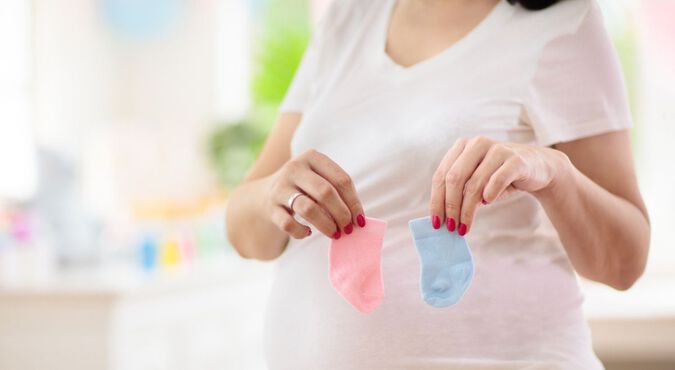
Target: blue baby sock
446, 264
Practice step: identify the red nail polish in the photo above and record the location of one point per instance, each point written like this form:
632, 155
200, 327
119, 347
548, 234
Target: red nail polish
484, 202
450, 223
309, 232
361, 220
336, 235
462, 229
348, 229
436, 222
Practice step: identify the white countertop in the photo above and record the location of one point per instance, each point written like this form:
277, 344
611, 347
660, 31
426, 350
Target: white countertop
122, 279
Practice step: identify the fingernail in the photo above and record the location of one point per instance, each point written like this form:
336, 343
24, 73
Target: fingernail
484, 202
436, 222
348, 229
309, 232
336, 235
462, 229
361, 220
450, 223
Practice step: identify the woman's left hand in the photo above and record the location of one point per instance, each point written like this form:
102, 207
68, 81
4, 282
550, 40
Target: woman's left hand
480, 170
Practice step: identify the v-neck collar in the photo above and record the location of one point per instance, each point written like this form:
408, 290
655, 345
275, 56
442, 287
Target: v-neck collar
500, 12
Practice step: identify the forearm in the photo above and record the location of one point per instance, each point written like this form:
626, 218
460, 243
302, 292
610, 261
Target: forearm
252, 234
606, 237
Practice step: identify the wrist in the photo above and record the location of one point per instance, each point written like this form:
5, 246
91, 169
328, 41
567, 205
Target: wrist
265, 186
562, 175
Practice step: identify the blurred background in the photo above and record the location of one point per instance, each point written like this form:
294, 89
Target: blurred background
124, 123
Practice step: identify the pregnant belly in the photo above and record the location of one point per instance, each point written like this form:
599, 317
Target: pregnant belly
511, 312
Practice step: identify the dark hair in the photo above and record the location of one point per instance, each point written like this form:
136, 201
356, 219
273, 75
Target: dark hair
534, 4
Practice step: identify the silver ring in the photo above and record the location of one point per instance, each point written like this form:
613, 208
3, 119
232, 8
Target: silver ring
292, 199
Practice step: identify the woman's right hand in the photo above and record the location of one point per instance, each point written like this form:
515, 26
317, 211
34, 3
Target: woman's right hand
328, 201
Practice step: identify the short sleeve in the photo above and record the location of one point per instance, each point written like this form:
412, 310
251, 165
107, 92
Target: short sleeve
578, 89
298, 92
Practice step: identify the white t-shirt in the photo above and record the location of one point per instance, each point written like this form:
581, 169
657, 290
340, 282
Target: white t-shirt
531, 77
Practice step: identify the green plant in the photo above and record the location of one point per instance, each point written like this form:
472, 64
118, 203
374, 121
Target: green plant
281, 39
233, 148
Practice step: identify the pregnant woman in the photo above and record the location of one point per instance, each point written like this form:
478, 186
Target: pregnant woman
504, 121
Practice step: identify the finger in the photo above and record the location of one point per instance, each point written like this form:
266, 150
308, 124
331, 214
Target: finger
437, 201
286, 223
473, 189
456, 178
509, 190
316, 215
327, 197
500, 182
331, 171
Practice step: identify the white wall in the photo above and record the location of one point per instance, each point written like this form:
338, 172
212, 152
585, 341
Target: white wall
140, 107
17, 165
75, 72
656, 129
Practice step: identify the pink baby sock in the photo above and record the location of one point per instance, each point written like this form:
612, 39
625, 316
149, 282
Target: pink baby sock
355, 265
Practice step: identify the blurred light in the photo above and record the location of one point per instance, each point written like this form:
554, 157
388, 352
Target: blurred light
142, 19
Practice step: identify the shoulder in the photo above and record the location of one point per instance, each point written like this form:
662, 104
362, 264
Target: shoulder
345, 16
564, 18
340, 11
